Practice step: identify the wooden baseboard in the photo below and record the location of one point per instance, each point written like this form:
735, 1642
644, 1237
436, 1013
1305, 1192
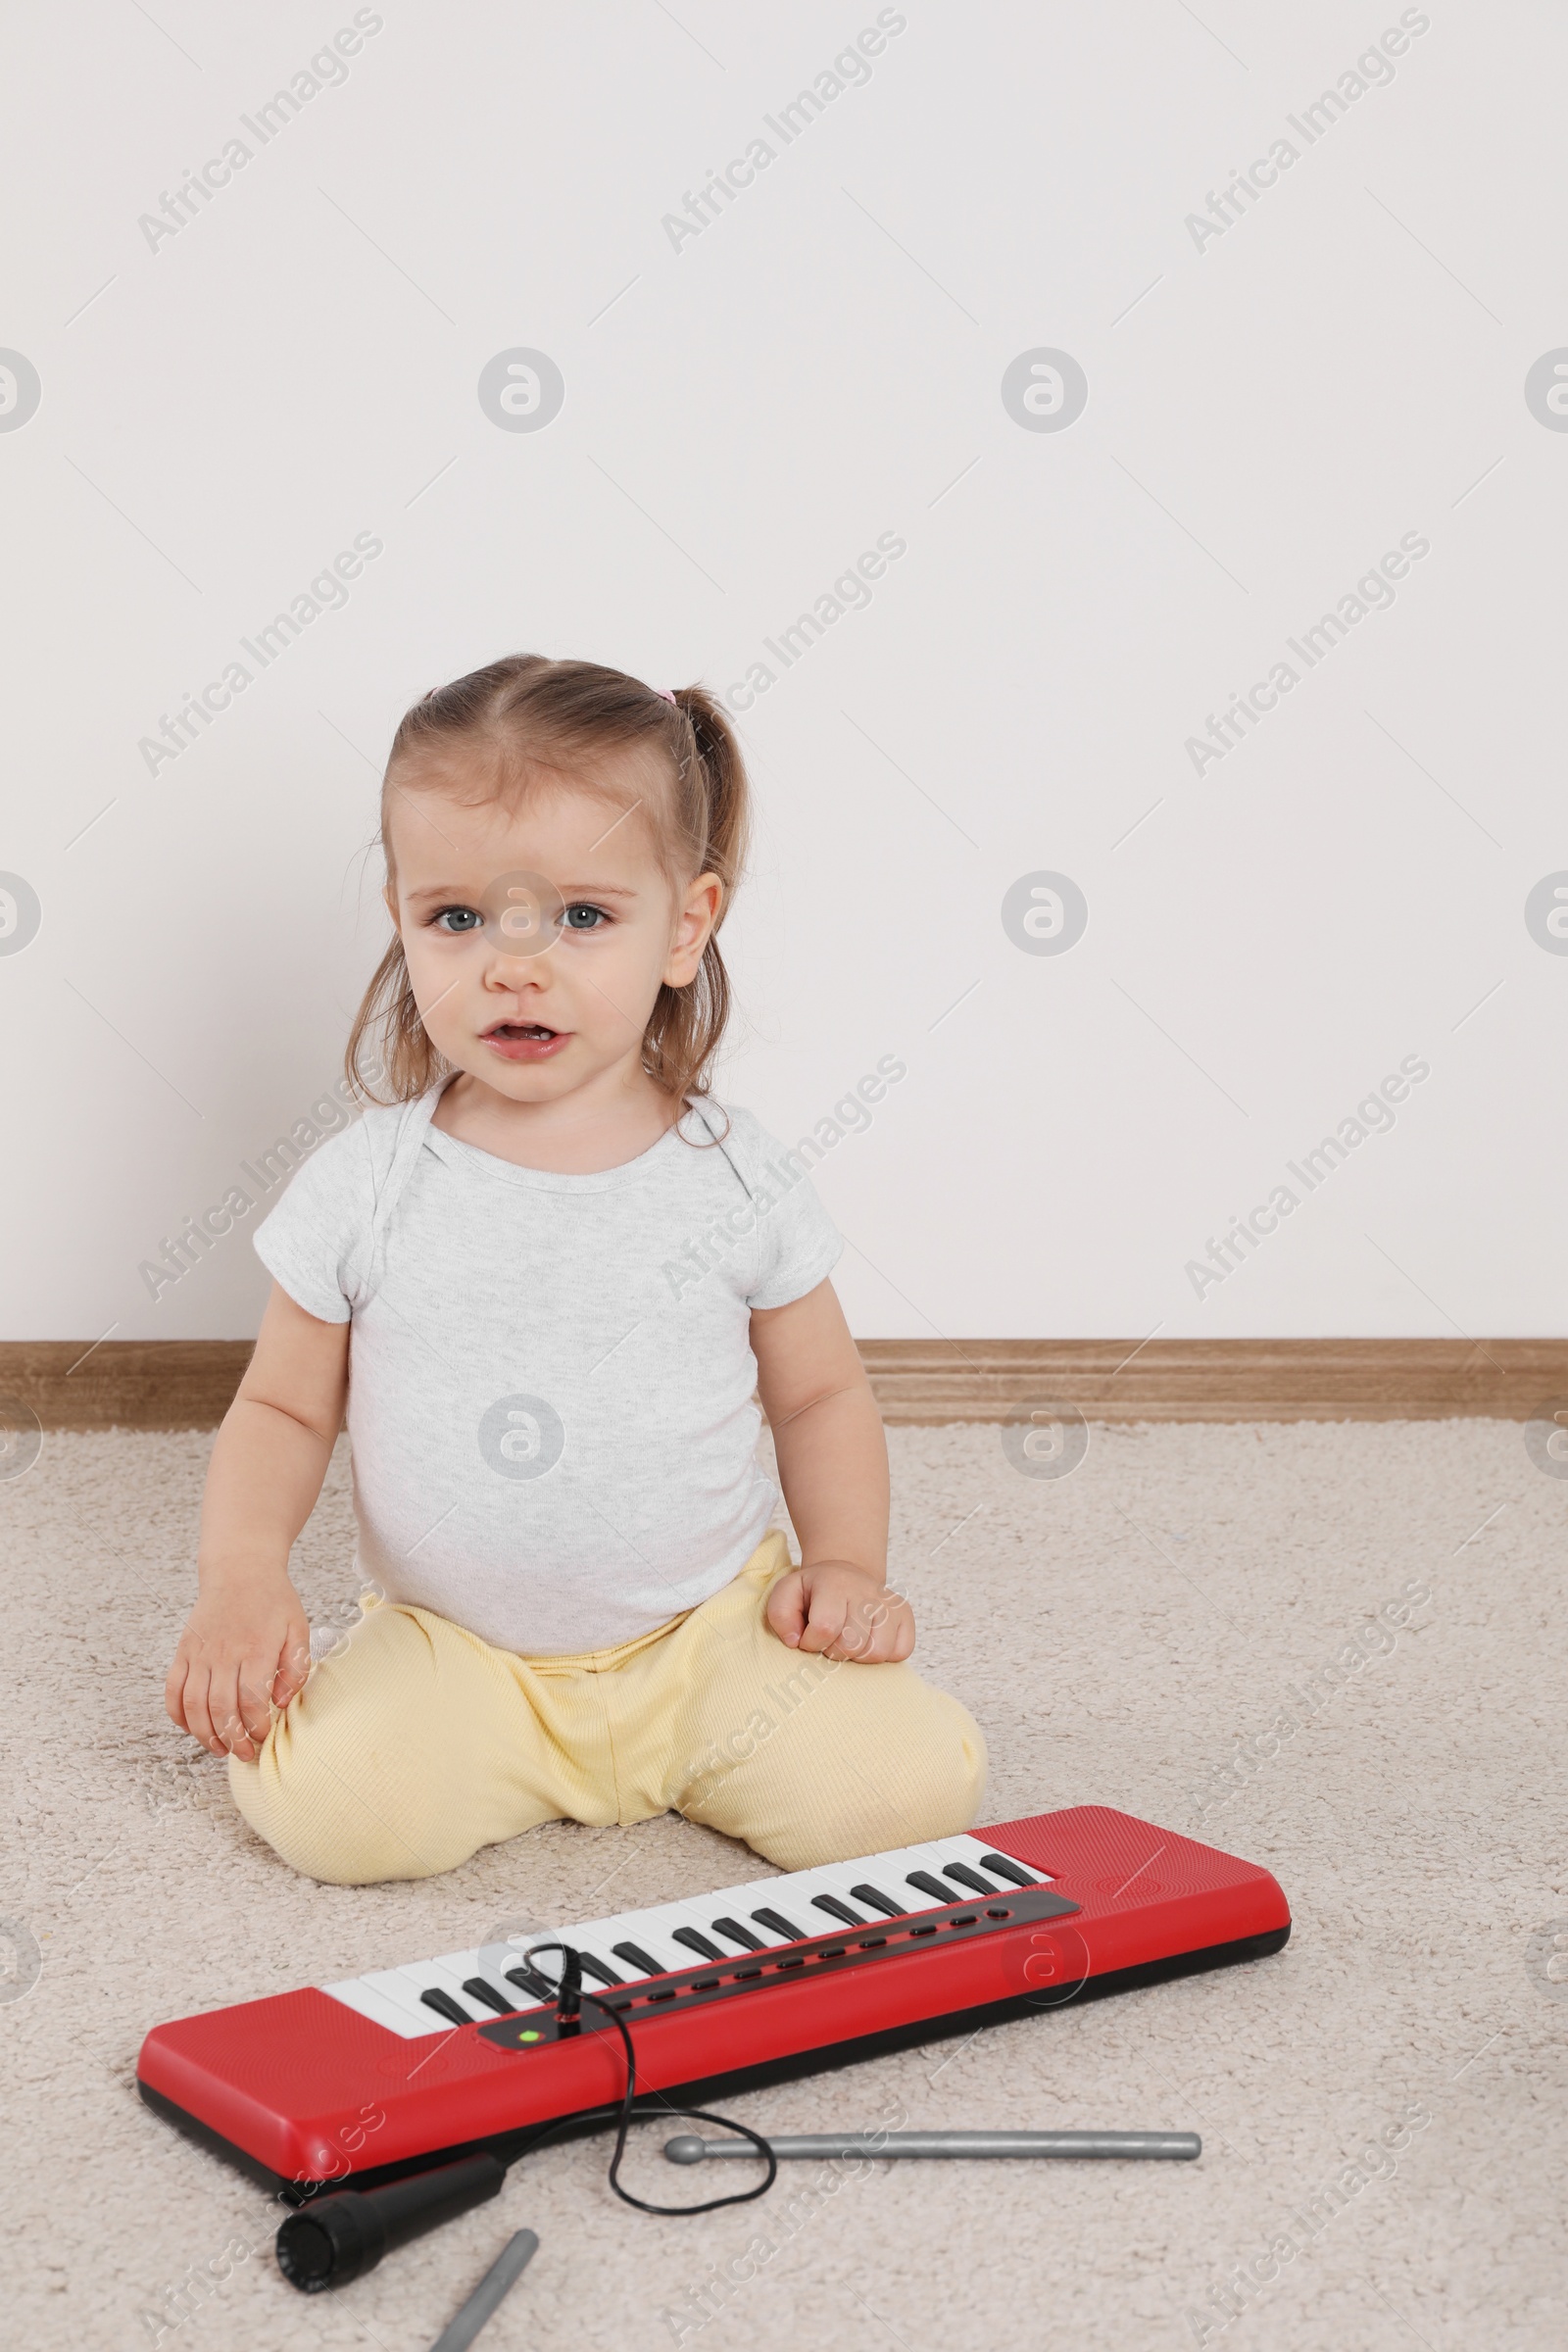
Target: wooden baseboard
188, 1383
917, 1381
123, 1384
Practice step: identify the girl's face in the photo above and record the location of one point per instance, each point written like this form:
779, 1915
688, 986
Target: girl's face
537, 939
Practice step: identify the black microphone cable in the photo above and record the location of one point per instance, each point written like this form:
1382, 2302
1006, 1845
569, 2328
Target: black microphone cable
569, 1997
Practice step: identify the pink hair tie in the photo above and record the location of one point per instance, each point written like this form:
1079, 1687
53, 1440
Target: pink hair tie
666, 693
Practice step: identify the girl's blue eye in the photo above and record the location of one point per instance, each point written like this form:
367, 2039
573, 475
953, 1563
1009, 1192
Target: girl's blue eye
459, 920
595, 917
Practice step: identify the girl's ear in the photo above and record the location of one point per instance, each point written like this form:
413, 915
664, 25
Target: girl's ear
695, 926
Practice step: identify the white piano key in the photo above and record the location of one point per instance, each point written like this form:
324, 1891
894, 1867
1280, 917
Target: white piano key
896, 1865
594, 1943
653, 1931
654, 1924
425, 1976
492, 1960
405, 1985
548, 1961
392, 1985
355, 1994
490, 1964
740, 1903
600, 1936
390, 1997
438, 1974
973, 1849
700, 1911
445, 1977
791, 1892
794, 1898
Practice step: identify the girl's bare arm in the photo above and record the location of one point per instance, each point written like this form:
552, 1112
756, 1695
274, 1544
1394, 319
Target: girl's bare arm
247, 1642
833, 1467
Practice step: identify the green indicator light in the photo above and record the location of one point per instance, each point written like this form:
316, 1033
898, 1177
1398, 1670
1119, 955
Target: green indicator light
529, 2035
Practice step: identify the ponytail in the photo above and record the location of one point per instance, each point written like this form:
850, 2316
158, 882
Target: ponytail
687, 1024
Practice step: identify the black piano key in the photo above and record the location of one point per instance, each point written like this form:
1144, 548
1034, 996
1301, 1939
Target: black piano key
968, 1878
529, 1981
597, 1968
478, 1990
1005, 1868
444, 2006
930, 1886
696, 1944
779, 1925
876, 1900
732, 1929
635, 1957
836, 1910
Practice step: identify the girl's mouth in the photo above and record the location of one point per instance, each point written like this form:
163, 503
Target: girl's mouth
526, 1041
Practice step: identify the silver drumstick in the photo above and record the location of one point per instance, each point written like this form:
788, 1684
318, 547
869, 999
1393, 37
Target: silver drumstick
1177, 2146
509, 2264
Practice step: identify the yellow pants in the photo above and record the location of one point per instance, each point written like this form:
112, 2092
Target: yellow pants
418, 1743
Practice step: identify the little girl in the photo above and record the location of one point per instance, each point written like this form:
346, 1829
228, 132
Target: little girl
548, 1277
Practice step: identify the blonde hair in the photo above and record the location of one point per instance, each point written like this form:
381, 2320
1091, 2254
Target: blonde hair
527, 713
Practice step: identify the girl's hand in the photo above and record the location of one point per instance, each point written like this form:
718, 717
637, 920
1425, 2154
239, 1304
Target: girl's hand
246, 1648
837, 1610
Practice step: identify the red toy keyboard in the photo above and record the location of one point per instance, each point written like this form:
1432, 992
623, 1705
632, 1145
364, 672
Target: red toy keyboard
363, 2081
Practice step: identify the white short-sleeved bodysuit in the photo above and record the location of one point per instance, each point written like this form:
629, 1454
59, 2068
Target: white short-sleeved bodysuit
551, 1398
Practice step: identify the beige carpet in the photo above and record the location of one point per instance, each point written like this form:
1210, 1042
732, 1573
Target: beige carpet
1120, 1634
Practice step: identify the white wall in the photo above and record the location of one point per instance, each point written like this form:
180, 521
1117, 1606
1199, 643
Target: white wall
1270, 408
